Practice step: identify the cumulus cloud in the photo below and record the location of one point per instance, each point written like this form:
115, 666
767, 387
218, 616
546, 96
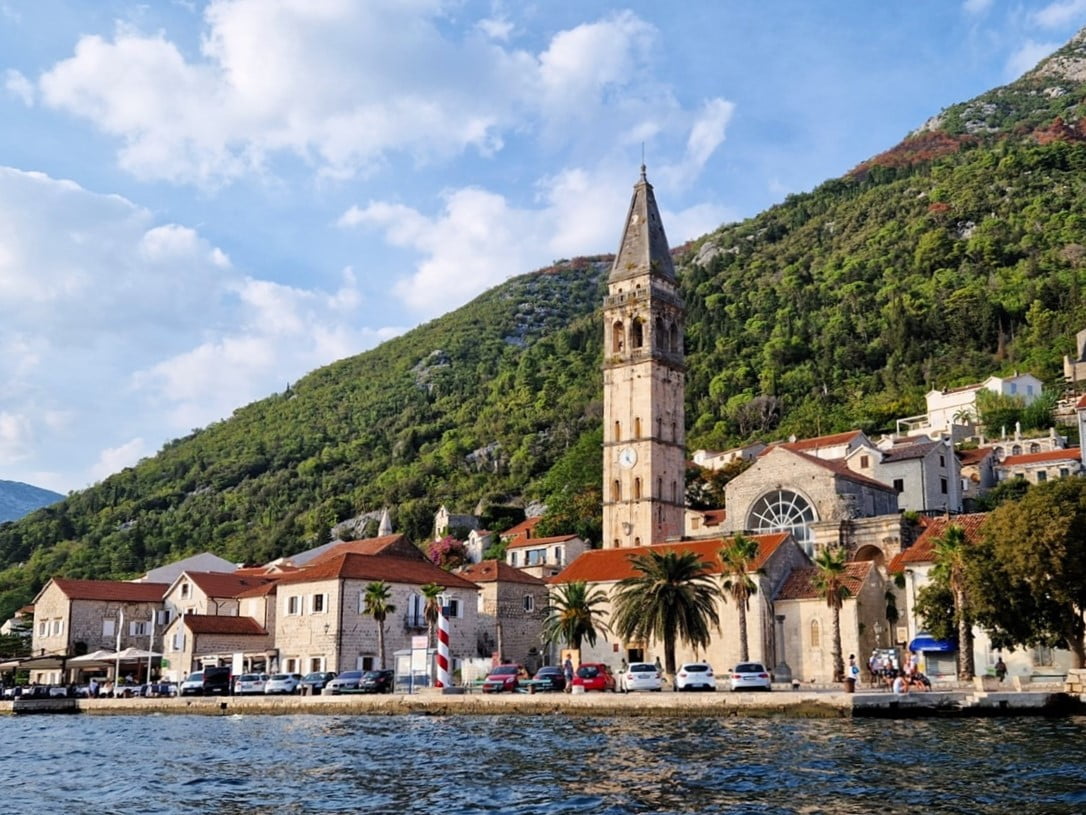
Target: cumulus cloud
19, 86
110, 321
1059, 14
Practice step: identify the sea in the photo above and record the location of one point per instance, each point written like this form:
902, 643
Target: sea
539, 765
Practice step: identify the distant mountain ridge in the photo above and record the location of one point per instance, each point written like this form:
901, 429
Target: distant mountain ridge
18, 499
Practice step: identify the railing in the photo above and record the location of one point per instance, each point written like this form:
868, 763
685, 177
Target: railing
415, 622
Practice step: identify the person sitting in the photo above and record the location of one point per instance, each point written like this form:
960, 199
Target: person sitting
918, 680
900, 686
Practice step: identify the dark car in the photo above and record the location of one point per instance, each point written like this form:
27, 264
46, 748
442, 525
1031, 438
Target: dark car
217, 680
552, 674
314, 681
377, 681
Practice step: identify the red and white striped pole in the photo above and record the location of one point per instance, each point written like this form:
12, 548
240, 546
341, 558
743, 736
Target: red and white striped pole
443, 680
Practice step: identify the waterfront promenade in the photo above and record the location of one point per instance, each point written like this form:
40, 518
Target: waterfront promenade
785, 703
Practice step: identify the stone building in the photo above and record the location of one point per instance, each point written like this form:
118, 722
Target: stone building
320, 619
512, 608
544, 557
75, 617
197, 641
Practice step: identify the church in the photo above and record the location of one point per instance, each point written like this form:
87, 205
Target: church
794, 500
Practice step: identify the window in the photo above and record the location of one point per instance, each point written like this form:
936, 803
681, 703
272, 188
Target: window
139, 628
899, 484
942, 486
179, 641
616, 490
637, 489
637, 427
1064, 472
558, 555
529, 603
616, 338
1016, 450
1034, 447
942, 461
535, 557
618, 431
1041, 476
290, 665
452, 604
784, 511
58, 627
43, 628
512, 558
815, 634
863, 462
294, 606
319, 603
637, 334
184, 590
637, 541
1014, 387
109, 628
316, 663
1042, 655
365, 662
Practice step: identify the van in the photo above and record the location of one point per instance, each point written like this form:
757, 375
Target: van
216, 680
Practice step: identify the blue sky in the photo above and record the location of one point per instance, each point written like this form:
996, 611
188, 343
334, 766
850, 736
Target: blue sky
202, 201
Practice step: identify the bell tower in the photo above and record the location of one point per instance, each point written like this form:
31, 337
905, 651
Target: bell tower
644, 436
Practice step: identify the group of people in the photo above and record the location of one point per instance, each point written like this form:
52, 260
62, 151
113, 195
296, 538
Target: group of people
885, 672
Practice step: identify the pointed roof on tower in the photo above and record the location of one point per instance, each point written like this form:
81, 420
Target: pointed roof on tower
644, 248
385, 528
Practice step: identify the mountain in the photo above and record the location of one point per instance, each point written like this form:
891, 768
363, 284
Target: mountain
958, 253
17, 499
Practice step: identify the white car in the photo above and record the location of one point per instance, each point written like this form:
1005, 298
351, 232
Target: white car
194, 684
282, 683
250, 683
750, 676
695, 676
640, 676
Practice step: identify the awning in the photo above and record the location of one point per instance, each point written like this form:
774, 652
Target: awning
926, 643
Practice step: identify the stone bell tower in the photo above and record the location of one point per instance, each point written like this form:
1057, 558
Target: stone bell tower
644, 437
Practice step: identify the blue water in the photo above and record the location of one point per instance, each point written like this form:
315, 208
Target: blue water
539, 765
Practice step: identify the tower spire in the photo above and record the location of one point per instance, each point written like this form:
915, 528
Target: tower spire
643, 249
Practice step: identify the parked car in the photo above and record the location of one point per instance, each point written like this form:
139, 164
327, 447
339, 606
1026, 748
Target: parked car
217, 679
750, 676
161, 688
552, 674
348, 680
250, 683
640, 676
695, 676
594, 676
504, 678
314, 681
193, 684
377, 681
282, 683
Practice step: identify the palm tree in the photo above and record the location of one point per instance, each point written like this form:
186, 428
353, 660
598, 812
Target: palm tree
377, 605
431, 609
950, 564
829, 582
738, 557
671, 599
574, 615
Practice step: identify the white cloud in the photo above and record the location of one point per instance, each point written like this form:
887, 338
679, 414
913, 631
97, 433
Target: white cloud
976, 7
1061, 13
15, 435
496, 28
707, 133
1027, 55
19, 86
114, 459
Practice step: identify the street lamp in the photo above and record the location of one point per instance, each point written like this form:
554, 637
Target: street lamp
878, 634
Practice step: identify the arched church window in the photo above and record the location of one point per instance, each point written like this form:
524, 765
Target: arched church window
659, 428
618, 430
659, 338
617, 341
616, 490
637, 427
659, 488
784, 511
673, 339
637, 489
637, 541
1016, 450
816, 634
674, 493
637, 334
674, 435
1035, 447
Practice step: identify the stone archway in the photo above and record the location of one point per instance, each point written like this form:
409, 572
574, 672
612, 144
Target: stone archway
870, 552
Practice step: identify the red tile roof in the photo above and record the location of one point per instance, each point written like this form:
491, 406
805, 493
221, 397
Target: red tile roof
1070, 454
529, 542
923, 549
523, 529
607, 565
822, 441
267, 570
220, 584
111, 590
396, 545
213, 624
355, 566
969, 457
494, 571
800, 584
838, 467
264, 590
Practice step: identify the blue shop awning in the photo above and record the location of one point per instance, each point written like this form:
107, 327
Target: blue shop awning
926, 643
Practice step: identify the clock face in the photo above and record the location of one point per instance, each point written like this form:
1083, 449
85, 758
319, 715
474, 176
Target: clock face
627, 458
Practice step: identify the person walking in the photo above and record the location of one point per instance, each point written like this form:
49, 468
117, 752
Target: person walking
1000, 668
567, 671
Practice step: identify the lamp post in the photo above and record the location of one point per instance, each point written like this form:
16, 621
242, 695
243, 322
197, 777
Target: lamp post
878, 634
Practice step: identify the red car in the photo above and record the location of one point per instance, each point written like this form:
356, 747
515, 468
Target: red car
504, 678
594, 676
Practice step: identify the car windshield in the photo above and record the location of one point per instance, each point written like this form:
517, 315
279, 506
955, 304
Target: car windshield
196, 677
351, 675
696, 668
248, 678
588, 671
313, 676
639, 668
749, 668
372, 674
280, 677
504, 670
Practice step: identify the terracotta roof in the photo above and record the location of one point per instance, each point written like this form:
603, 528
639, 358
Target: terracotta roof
904, 452
841, 470
822, 441
213, 624
267, 570
714, 517
1069, 454
355, 566
218, 584
970, 457
523, 529
495, 571
263, 590
394, 545
529, 542
800, 584
923, 549
607, 565
1081, 403
111, 590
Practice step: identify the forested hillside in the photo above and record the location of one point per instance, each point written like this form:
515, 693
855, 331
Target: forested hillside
956, 254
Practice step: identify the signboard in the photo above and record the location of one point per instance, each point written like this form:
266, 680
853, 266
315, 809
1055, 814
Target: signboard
418, 654
419, 642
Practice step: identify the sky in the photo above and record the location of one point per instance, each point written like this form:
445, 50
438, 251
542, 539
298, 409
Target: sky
201, 202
